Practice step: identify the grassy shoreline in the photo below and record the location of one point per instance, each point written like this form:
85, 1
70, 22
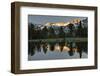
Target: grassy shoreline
60, 39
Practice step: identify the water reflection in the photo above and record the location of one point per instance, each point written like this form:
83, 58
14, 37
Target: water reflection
64, 47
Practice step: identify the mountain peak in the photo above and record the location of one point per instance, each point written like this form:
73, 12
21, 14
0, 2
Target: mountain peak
62, 23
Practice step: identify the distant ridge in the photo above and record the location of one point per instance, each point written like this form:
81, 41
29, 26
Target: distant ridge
75, 21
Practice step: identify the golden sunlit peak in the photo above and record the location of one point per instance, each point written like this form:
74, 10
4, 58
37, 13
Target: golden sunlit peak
75, 21
57, 24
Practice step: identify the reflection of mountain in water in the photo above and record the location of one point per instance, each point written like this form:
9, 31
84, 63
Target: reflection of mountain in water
62, 46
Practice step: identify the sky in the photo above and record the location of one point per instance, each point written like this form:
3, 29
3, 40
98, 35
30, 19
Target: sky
43, 19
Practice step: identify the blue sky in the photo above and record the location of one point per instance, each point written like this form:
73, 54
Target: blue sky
42, 19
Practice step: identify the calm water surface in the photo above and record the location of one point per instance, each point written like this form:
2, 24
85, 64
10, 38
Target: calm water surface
57, 50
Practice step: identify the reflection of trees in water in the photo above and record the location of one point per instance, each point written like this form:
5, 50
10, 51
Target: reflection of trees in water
71, 52
61, 45
82, 47
52, 46
38, 46
79, 47
85, 47
31, 48
45, 47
